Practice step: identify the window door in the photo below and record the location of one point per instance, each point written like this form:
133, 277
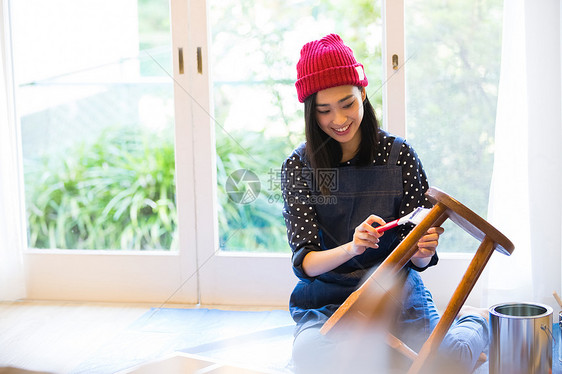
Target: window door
107, 162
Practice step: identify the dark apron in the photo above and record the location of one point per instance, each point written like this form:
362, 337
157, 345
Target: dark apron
359, 192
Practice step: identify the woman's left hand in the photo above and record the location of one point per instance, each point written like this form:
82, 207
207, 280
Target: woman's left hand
428, 243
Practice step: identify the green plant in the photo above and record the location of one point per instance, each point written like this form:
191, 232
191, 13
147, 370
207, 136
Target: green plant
257, 226
115, 193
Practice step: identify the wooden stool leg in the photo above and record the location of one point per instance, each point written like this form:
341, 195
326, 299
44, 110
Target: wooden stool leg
457, 301
404, 260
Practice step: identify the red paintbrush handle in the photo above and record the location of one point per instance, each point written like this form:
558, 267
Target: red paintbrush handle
388, 226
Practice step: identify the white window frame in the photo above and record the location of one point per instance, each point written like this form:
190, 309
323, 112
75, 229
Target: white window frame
394, 86
225, 278
127, 276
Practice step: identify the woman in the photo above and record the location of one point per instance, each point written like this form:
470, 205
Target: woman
349, 177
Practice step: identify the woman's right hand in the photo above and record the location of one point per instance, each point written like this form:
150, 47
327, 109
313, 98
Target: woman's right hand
366, 236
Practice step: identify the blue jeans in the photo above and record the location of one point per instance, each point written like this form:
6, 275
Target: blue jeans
462, 345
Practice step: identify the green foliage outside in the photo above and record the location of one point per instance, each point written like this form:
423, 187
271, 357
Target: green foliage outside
115, 193
259, 224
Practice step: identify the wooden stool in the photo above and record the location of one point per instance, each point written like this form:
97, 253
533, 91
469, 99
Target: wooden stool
356, 309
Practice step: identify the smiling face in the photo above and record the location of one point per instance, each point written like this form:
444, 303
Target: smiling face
339, 112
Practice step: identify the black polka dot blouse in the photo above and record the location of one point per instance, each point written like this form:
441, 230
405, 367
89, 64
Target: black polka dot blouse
300, 216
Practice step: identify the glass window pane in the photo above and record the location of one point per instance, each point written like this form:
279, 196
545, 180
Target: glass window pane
452, 79
255, 47
95, 104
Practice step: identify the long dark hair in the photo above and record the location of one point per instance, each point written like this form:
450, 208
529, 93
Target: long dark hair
325, 152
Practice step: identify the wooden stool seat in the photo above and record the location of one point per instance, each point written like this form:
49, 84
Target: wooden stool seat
471, 222
359, 306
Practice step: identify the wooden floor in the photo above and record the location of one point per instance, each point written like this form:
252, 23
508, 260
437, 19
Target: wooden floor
55, 337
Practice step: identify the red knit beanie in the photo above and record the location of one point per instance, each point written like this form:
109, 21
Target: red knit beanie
327, 63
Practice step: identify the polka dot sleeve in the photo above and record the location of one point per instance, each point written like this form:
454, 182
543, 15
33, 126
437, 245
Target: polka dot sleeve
299, 214
414, 180
415, 186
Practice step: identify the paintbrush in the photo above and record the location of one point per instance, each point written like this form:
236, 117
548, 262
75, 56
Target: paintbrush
557, 298
415, 217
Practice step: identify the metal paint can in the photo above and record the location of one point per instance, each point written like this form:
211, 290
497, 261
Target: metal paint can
521, 338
